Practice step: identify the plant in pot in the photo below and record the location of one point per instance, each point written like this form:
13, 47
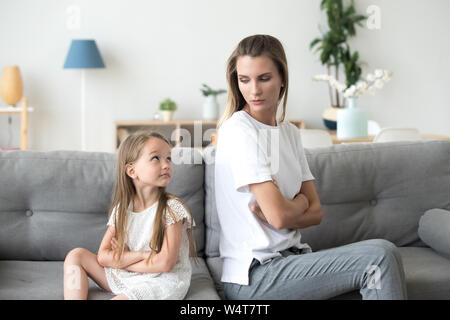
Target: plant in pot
335, 52
211, 106
167, 108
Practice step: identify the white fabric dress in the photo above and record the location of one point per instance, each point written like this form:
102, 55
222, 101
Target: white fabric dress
171, 285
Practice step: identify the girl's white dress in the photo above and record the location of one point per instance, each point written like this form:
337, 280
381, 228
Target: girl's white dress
152, 286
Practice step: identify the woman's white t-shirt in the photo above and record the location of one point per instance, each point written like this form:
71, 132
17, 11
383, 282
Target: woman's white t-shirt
249, 151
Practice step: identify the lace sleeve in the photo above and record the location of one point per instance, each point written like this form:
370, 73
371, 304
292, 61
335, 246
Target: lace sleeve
179, 212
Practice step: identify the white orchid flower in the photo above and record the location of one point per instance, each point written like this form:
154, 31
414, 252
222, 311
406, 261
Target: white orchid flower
372, 90
370, 77
379, 73
322, 77
379, 84
387, 76
361, 85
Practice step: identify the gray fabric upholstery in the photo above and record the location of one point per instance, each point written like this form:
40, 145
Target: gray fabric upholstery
187, 184
427, 273
434, 230
211, 218
51, 202
43, 280
377, 190
215, 269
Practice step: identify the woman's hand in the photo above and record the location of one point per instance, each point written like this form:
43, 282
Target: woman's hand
304, 200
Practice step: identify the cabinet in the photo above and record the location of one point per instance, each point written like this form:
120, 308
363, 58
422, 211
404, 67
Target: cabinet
182, 133
23, 111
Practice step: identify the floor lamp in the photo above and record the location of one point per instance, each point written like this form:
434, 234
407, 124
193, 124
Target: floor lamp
83, 54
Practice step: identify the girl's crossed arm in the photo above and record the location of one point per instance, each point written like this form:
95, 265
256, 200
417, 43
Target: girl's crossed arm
166, 259
105, 256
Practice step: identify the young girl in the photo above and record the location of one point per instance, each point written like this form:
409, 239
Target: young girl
145, 251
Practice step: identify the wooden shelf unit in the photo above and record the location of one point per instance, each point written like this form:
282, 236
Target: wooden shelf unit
424, 136
23, 111
183, 133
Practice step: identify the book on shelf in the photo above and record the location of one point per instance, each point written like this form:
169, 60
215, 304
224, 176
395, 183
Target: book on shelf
8, 149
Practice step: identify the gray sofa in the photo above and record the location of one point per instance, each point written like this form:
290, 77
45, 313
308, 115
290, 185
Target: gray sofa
52, 202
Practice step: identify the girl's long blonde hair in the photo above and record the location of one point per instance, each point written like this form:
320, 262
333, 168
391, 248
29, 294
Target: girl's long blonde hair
254, 46
124, 192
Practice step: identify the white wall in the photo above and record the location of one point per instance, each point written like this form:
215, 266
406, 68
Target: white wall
168, 48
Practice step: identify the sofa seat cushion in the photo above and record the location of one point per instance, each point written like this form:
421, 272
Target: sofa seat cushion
43, 280
427, 273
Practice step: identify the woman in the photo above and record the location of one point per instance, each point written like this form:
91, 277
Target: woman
266, 194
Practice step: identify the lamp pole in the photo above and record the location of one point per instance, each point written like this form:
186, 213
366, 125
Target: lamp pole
83, 111
83, 54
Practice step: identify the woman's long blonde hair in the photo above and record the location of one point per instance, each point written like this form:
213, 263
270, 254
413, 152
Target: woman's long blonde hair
254, 46
124, 191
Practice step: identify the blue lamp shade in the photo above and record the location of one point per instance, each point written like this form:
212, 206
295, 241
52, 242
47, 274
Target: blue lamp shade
83, 54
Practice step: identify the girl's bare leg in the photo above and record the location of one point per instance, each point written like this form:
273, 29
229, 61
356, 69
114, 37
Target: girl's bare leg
120, 297
78, 265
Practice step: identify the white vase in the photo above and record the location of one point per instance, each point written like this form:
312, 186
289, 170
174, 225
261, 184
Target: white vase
167, 115
351, 122
210, 108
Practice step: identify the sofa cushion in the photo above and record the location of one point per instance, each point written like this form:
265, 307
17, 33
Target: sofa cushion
43, 280
377, 190
434, 230
212, 225
52, 202
187, 184
215, 268
427, 273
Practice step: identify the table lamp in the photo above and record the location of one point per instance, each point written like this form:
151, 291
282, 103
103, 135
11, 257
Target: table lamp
83, 54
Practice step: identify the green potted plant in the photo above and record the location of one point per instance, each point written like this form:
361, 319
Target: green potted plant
210, 106
335, 51
167, 108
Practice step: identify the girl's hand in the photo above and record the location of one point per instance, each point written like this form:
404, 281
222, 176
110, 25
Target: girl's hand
115, 245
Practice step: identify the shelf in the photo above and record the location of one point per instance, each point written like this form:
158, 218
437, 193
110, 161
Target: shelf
336, 140
23, 110
11, 109
198, 133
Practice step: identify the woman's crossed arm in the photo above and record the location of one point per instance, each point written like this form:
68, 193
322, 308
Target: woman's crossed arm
303, 211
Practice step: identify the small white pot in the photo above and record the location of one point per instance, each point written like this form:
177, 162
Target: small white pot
167, 115
210, 108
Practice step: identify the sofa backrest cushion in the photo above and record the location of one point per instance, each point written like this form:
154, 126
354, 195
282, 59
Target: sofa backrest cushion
52, 202
372, 190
